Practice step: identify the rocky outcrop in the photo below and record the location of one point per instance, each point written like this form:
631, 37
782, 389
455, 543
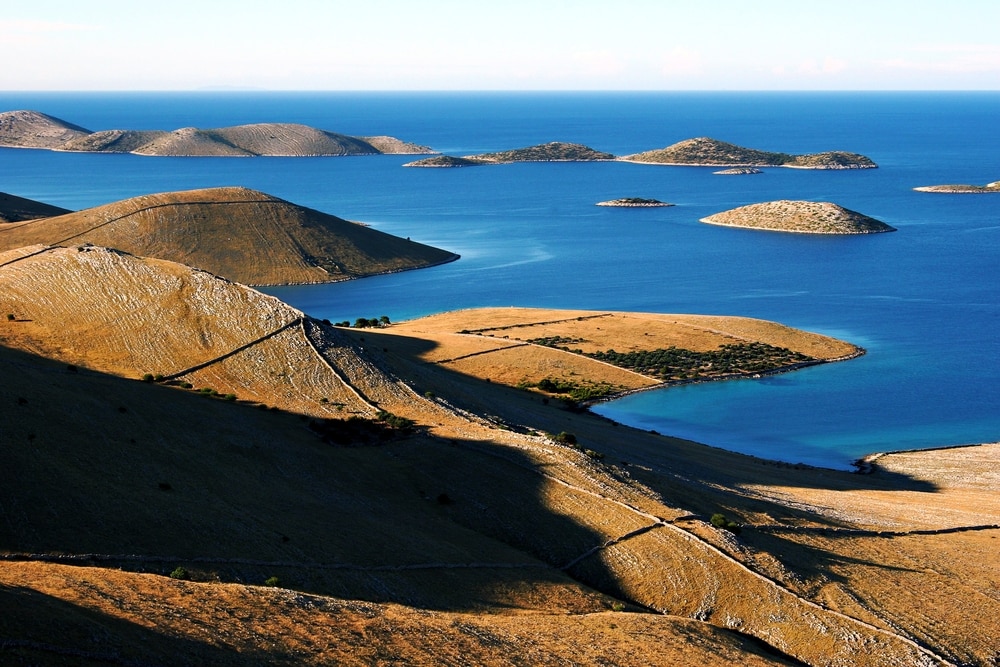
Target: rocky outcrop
799, 216
739, 171
634, 202
960, 189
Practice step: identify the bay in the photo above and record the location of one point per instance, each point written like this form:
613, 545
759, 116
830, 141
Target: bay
923, 301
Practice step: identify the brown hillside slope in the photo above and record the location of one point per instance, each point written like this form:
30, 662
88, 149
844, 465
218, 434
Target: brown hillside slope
31, 129
487, 517
241, 234
17, 209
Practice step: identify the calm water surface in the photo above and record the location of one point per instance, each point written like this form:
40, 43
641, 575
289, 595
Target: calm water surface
923, 300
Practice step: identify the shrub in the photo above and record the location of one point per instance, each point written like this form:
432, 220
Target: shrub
565, 438
11, 317
147, 377
719, 520
179, 573
272, 581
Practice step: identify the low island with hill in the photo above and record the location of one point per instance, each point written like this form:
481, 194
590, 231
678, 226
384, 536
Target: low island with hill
804, 217
707, 152
634, 202
961, 189
553, 151
32, 129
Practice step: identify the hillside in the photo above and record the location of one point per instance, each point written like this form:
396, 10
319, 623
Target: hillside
799, 216
472, 537
554, 151
30, 129
241, 234
704, 151
18, 209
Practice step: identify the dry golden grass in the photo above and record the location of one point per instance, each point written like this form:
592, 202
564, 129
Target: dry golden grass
493, 538
237, 233
805, 217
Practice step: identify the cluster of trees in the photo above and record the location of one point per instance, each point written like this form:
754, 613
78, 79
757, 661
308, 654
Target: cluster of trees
364, 322
678, 364
554, 341
577, 392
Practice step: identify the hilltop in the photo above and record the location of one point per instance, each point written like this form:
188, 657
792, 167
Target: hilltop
470, 533
31, 129
704, 151
961, 189
554, 151
18, 209
238, 233
799, 216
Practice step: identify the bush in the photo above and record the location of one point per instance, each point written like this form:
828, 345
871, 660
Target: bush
719, 520
147, 377
565, 438
179, 573
272, 581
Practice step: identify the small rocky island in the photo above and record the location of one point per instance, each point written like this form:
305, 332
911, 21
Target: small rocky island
960, 189
804, 217
32, 129
738, 171
707, 152
554, 151
634, 202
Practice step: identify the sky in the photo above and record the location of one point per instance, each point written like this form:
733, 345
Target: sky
493, 45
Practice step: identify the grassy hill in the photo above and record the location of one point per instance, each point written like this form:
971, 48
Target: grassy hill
472, 537
704, 151
241, 234
799, 216
31, 129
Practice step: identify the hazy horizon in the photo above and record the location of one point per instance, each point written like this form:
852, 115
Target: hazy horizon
448, 45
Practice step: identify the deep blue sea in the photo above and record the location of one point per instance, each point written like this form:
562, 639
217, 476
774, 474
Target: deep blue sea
924, 301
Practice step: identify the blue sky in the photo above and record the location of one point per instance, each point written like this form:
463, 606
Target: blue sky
513, 45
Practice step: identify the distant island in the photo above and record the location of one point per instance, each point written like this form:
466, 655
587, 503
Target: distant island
961, 189
703, 151
738, 171
554, 151
804, 217
32, 129
237, 233
634, 202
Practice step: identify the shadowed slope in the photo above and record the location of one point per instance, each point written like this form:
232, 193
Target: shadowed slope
17, 209
241, 234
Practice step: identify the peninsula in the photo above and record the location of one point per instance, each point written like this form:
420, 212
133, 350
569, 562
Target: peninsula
554, 151
799, 216
703, 151
961, 189
238, 233
32, 129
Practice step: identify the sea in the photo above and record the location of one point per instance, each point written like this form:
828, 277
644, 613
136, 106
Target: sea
923, 301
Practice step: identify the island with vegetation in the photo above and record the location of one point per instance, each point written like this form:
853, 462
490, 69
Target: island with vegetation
804, 217
634, 202
960, 189
32, 129
704, 151
553, 151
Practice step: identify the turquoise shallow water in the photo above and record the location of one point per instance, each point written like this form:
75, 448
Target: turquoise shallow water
923, 300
